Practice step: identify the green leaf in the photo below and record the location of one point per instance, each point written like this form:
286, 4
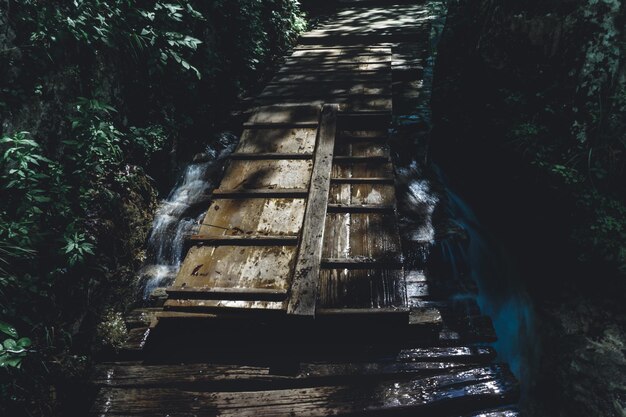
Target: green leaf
24, 342
10, 344
6, 328
10, 360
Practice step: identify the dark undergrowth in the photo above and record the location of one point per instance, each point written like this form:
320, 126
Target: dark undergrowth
530, 124
100, 101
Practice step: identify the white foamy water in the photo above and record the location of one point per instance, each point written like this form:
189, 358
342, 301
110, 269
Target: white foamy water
179, 216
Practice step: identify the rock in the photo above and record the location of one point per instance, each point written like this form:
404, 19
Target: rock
201, 157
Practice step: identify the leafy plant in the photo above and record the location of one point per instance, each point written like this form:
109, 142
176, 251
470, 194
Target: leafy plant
13, 349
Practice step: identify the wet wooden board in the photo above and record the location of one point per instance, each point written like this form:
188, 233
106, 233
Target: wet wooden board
306, 273
369, 235
371, 289
277, 140
488, 386
380, 194
254, 216
237, 267
216, 375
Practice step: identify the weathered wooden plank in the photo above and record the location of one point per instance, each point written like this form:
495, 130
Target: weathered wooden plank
361, 208
363, 47
364, 135
264, 140
245, 267
363, 180
341, 67
331, 60
383, 35
293, 115
254, 217
223, 305
363, 262
306, 273
250, 240
381, 193
361, 288
464, 390
374, 169
364, 158
202, 375
269, 155
343, 52
361, 311
267, 174
326, 89
347, 103
282, 193
372, 235
362, 148
384, 75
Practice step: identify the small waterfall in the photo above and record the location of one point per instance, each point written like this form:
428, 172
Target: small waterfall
501, 293
180, 214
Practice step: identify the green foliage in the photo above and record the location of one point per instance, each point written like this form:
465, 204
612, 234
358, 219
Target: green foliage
605, 238
13, 349
93, 93
151, 31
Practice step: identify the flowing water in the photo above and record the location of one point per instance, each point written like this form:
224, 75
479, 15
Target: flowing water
180, 214
451, 241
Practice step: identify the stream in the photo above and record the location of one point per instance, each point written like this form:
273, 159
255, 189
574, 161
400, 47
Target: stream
181, 213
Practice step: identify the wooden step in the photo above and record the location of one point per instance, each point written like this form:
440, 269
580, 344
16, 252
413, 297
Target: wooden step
481, 387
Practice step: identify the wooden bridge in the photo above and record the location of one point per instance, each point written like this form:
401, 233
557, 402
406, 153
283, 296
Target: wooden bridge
295, 297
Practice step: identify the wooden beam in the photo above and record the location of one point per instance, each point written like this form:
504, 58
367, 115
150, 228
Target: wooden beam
262, 193
306, 274
242, 240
